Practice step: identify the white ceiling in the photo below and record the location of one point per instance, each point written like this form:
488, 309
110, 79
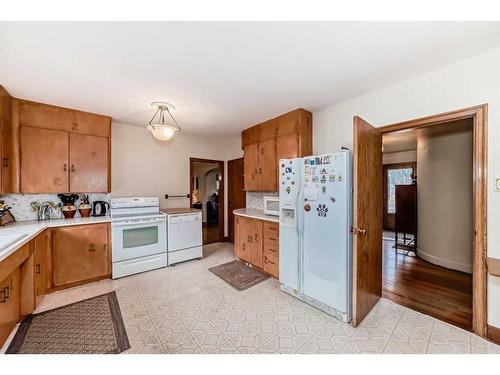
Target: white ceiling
223, 77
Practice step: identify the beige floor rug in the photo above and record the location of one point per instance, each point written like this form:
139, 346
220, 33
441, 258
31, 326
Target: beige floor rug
91, 326
239, 275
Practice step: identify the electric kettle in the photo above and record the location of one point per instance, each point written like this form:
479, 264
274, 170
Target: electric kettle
100, 208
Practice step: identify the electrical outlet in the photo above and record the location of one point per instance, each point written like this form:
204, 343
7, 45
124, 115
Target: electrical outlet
497, 184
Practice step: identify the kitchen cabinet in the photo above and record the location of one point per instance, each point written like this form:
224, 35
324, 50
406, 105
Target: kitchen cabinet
57, 150
9, 303
42, 266
54, 161
284, 137
5, 141
251, 162
89, 162
257, 243
80, 253
242, 235
44, 160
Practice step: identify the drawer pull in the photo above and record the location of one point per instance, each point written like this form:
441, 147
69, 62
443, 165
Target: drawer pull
5, 294
38, 268
266, 261
272, 239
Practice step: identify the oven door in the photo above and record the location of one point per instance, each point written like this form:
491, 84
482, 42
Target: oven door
137, 238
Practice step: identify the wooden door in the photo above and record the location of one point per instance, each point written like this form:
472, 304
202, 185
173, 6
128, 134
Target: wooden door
9, 304
251, 156
268, 165
44, 160
89, 163
41, 267
256, 243
367, 219
236, 197
80, 253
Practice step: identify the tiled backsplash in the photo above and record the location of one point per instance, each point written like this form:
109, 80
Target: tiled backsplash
256, 199
21, 203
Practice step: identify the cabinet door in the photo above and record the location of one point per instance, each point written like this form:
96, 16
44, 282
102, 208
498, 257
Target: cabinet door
256, 243
237, 236
80, 253
245, 241
44, 160
287, 146
89, 160
268, 165
41, 266
9, 304
251, 160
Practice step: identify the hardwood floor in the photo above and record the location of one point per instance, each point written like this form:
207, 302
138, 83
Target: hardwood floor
210, 234
437, 291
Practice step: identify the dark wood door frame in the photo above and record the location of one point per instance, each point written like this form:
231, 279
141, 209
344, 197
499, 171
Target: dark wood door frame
222, 204
232, 205
479, 115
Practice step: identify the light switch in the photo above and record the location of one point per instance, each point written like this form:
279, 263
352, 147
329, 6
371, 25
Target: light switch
497, 184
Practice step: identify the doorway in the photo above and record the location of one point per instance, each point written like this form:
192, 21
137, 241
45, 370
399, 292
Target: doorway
206, 180
368, 214
236, 197
427, 238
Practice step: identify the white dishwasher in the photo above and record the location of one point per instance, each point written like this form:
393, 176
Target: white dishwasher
184, 237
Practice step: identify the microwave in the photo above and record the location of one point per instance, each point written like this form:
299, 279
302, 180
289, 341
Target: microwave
272, 206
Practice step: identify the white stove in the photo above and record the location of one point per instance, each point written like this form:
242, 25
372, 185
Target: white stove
139, 235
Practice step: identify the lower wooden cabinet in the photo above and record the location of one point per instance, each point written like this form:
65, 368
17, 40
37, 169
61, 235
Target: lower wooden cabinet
80, 253
9, 303
257, 242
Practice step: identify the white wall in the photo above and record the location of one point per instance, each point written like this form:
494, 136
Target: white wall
467, 83
141, 165
444, 191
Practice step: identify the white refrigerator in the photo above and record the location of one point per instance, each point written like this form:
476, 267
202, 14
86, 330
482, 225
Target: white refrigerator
315, 239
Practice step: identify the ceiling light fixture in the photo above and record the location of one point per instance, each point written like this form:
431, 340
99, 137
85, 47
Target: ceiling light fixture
163, 128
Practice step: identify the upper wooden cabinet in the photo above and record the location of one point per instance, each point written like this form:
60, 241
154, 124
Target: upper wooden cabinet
60, 150
5, 144
44, 160
284, 137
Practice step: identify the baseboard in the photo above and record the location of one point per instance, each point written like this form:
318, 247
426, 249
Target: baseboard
444, 262
493, 334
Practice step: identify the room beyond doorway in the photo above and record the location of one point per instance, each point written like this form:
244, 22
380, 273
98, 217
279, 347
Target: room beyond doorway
207, 194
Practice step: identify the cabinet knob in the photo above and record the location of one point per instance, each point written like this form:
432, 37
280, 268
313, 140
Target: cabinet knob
38, 268
72, 168
65, 167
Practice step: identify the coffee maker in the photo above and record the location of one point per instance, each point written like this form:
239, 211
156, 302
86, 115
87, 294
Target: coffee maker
100, 208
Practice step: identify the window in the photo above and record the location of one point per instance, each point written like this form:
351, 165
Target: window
397, 176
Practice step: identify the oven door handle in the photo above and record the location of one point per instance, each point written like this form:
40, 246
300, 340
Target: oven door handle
137, 221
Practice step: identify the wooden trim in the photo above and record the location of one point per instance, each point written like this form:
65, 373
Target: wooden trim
222, 203
479, 115
493, 334
493, 266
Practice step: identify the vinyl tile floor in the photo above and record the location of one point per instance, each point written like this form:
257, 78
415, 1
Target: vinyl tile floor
187, 309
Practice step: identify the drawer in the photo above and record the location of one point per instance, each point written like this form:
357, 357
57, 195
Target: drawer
271, 245
271, 230
271, 263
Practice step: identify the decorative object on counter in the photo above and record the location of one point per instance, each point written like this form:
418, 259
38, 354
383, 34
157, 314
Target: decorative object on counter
6, 216
44, 209
163, 128
85, 207
100, 208
69, 208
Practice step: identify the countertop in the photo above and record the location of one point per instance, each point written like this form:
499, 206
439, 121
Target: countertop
256, 214
186, 210
30, 229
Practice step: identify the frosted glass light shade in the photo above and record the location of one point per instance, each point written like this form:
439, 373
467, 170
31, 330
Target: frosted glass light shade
162, 132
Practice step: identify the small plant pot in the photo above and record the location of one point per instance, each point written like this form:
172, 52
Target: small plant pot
84, 212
